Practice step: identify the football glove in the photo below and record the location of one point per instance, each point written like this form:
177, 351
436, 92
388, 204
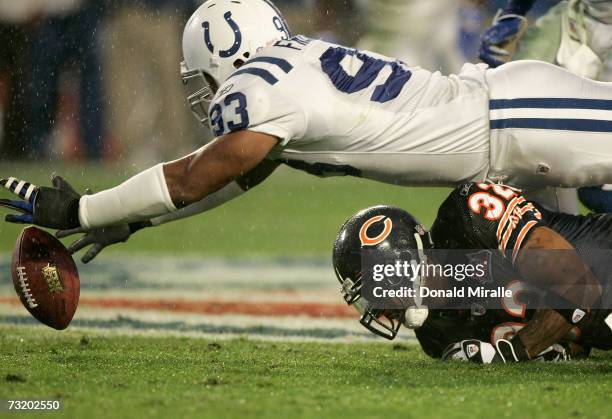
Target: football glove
505, 351
471, 350
554, 353
474, 350
99, 238
56, 207
498, 43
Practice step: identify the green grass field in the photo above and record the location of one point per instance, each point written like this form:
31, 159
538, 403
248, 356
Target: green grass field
99, 376
290, 214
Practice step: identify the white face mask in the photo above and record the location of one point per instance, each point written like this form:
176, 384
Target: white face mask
198, 92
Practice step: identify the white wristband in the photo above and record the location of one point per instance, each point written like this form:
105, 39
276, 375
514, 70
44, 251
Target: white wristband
228, 192
139, 198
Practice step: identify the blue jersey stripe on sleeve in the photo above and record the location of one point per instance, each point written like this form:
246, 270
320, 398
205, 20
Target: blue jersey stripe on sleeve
283, 64
259, 72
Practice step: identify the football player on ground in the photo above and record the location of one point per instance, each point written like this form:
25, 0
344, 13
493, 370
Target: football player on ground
575, 34
526, 249
329, 110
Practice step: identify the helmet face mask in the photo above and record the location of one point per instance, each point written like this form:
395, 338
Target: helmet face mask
198, 91
376, 321
384, 323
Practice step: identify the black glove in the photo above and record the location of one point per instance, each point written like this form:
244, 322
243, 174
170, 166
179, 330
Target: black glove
56, 207
98, 237
554, 353
474, 350
505, 351
471, 350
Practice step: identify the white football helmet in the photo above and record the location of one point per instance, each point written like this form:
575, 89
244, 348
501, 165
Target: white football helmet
218, 38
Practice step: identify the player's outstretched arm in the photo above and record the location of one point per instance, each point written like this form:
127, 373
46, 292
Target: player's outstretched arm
224, 160
232, 190
98, 239
159, 190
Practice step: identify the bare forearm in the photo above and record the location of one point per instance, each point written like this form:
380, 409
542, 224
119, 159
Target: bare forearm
213, 200
225, 159
548, 261
546, 328
164, 188
232, 190
194, 177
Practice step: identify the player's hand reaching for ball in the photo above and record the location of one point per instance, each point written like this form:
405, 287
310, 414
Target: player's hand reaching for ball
498, 43
56, 207
99, 238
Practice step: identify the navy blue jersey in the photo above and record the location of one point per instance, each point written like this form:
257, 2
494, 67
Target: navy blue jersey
487, 216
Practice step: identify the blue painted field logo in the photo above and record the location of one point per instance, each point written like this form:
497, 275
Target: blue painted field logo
373, 241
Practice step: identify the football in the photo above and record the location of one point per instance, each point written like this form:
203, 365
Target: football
45, 278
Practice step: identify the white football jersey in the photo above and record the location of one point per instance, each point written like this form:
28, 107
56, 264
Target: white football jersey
339, 111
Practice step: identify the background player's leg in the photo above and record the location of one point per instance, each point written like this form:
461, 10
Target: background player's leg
541, 42
599, 25
596, 198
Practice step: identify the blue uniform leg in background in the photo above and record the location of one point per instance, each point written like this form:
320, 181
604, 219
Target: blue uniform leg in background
596, 199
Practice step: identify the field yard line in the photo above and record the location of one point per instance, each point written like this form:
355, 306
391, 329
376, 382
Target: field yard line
294, 299
216, 307
153, 333
159, 323
189, 274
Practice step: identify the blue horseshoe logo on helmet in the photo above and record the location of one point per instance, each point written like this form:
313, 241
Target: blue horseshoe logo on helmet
224, 53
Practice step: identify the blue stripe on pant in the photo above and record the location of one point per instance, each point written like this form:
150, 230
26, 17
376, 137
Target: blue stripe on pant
591, 125
551, 103
593, 197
